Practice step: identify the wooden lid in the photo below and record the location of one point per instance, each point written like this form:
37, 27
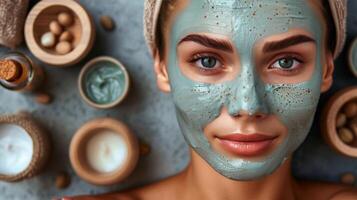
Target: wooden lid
328, 120
10, 70
41, 147
78, 156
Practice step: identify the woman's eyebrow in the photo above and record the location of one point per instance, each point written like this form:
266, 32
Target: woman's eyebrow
287, 42
209, 42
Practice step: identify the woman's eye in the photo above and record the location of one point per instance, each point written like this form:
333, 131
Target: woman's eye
208, 62
286, 63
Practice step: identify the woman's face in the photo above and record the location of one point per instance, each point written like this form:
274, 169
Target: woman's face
246, 78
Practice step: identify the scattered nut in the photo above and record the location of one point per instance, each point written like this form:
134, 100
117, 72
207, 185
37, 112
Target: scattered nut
107, 23
144, 149
65, 19
341, 120
63, 47
43, 98
56, 28
66, 36
63, 180
346, 135
48, 40
348, 178
350, 109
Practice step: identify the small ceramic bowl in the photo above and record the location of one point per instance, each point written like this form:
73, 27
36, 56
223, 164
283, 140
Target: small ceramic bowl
103, 82
15, 126
82, 29
328, 120
82, 140
352, 57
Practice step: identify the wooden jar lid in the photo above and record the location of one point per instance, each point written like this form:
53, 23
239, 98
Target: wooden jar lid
328, 120
78, 156
41, 145
37, 23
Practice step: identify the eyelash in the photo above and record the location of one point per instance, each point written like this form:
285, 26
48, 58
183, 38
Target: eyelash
287, 71
197, 57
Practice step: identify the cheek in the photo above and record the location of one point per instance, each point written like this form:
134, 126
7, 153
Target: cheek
291, 97
201, 103
295, 105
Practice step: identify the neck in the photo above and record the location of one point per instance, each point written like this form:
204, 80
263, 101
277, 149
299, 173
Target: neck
203, 182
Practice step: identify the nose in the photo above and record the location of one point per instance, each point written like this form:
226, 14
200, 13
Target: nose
248, 97
257, 115
247, 103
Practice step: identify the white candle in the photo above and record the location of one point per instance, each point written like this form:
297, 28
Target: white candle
16, 149
106, 151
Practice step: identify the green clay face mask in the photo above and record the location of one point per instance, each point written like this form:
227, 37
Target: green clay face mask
104, 83
198, 104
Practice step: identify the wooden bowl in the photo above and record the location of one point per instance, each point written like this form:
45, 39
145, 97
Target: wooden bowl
41, 145
89, 66
78, 152
328, 120
82, 29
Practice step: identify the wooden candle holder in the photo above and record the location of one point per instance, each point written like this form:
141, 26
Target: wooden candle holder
41, 147
83, 31
78, 156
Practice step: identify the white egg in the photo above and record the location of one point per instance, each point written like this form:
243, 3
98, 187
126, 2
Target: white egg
48, 40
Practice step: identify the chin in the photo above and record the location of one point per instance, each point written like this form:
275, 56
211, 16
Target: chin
240, 168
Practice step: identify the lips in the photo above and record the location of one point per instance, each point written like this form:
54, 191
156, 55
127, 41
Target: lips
246, 144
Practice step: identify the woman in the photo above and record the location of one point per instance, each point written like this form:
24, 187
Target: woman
245, 77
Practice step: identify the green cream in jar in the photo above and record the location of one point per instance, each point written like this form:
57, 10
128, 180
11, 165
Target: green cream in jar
352, 59
105, 82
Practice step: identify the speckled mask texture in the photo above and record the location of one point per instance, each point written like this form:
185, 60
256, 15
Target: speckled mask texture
197, 104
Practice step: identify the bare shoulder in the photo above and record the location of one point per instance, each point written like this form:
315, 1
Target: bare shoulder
326, 191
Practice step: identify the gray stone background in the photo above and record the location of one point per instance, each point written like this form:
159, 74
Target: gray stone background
148, 112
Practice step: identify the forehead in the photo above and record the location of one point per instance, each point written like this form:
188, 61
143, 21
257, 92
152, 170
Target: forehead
246, 18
